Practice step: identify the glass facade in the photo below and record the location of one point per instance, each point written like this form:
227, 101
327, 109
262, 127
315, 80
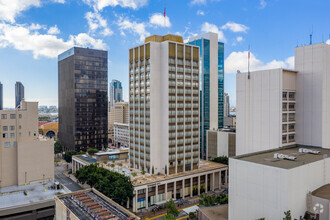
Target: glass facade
83, 100
204, 45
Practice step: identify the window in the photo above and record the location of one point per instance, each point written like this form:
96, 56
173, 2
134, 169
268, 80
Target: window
19, 127
15, 144
12, 116
7, 144
19, 134
12, 135
5, 135
5, 128
12, 128
3, 116
20, 115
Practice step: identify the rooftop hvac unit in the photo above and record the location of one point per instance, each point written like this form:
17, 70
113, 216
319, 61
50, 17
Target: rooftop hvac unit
308, 151
283, 156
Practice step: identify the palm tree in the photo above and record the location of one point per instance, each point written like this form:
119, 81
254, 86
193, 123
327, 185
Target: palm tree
121, 165
112, 166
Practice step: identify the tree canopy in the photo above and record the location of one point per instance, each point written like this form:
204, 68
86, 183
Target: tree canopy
58, 147
171, 208
210, 200
221, 159
67, 156
112, 184
92, 151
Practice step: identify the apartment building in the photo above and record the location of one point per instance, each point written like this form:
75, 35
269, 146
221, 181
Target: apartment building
211, 59
164, 105
265, 110
24, 156
121, 134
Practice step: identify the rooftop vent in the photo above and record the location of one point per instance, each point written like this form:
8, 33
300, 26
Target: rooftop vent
283, 156
308, 151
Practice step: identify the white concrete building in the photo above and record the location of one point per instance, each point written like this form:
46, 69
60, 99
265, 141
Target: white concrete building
164, 105
313, 95
221, 143
121, 134
265, 111
261, 186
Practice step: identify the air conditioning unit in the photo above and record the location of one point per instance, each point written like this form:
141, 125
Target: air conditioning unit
283, 156
308, 151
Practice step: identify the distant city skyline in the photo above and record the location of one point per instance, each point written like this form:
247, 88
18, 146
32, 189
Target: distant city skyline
120, 26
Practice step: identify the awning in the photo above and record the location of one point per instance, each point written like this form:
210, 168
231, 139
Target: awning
191, 209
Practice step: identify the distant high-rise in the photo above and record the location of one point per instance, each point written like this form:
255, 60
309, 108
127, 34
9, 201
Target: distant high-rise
19, 93
1, 96
83, 98
226, 105
164, 105
116, 92
212, 84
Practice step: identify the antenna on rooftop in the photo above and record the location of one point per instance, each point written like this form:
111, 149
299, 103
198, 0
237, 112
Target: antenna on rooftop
311, 37
164, 18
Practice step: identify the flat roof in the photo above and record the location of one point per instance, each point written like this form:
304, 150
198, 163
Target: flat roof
86, 158
13, 196
322, 192
219, 212
267, 157
97, 203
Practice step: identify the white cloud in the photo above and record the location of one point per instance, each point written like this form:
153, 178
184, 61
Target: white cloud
207, 27
263, 4
234, 27
97, 22
34, 26
59, 1
9, 9
22, 38
100, 4
239, 61
328, 41
53, 30
200, 12
239, 39
198, 2
158, 20
134, 27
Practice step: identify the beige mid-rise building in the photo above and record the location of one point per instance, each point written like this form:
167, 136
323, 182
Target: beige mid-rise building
164, 105
119, 113
25, 157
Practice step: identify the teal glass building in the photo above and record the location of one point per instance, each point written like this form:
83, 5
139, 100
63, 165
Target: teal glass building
211, 85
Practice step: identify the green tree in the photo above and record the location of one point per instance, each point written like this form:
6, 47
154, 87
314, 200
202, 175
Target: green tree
192, 216
67, 156
92, 151
58, 147
287, 215
143, 172
171, 208
169, 217
112, 184
260, 219
221, 159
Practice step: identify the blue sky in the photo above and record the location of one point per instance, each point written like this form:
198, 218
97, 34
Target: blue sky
33, 32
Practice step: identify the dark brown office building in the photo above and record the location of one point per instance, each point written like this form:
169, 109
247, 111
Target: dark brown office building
82, 98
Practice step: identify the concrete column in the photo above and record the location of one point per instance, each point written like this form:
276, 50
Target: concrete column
165, 191
220, 180
199, 185
127, 204
147, 198
213, 182
191, 186
226, 177
156, 193
206, 185
135, 201
183, 188
174, 190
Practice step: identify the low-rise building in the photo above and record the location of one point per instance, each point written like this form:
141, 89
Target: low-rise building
121, 135
221, 143
89, 204
268, 183
48, 129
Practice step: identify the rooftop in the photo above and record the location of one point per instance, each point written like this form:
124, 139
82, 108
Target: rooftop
322, 192
169, 37
141, 179
90, 203
13, 196
216, 212
267, 157
86, 158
